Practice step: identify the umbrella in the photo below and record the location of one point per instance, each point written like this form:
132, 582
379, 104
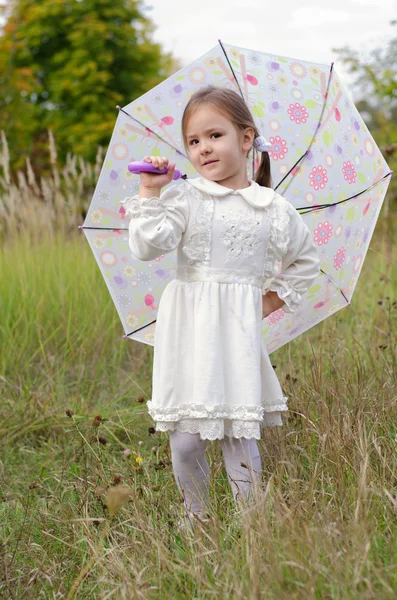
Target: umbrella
323, 160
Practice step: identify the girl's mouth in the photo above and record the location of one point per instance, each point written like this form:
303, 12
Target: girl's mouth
210, 162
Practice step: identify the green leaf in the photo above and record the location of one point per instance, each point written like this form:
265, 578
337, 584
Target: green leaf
110, 242
315, 81
235, 63
350, 214
361, 177
132, 138
156, 151
262, 104
217, 72
314, 289
281, 59
108, 163
74, 468
180, 77
257, 111
106, 221
310, 104
326, 138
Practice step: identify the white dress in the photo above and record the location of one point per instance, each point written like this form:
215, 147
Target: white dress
211, 371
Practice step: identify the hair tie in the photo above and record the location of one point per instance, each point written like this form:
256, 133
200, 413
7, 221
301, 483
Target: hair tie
261, 144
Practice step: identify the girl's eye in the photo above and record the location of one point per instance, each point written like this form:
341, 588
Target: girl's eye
193, 142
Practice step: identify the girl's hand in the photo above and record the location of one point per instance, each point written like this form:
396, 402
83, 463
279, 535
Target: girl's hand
152, 181
271, 302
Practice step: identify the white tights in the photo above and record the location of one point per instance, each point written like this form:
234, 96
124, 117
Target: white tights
191, 468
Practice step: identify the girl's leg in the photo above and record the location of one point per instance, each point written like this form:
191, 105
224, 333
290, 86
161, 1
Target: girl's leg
241, 450
191, 469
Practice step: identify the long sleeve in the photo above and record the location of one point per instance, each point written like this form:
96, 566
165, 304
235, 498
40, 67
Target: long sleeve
157, 224
300, 264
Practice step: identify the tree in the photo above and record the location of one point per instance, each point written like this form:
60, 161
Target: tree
376, 83
65, 65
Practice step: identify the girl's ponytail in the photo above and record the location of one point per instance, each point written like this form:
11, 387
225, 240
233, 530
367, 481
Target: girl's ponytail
263, 173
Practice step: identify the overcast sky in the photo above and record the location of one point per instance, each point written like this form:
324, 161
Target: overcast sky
305, 29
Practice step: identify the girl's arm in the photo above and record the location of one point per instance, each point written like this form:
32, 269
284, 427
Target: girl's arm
158, 219
300, 266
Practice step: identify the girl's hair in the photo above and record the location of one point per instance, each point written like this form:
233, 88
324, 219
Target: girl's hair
228, 102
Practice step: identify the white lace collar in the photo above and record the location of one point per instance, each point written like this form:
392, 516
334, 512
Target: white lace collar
256, 195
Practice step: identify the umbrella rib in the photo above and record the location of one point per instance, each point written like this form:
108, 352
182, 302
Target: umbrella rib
151, 130
291, 169
104, 228
231, 68
307, 209
140, 328
337, 287
315, 133
242, 95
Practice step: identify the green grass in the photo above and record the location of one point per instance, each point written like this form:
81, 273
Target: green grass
324, 525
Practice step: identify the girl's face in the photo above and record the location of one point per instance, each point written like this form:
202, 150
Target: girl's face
217, 149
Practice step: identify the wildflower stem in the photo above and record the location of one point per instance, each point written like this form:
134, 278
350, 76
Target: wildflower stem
86, 441
112, 435
84, 571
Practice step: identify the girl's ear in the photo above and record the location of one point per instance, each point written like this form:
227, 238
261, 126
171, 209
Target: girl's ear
248, 139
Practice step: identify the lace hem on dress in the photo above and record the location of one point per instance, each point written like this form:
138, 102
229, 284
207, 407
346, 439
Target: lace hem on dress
217, 429
219, 411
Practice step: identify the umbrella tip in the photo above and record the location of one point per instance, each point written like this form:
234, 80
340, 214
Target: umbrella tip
125, 336
118, 107
80, 227
332, 64
220, 41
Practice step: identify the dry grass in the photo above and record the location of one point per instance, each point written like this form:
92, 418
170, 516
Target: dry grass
55, 202
324, 522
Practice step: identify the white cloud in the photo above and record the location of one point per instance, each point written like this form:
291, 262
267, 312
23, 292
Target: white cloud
378, 4
312, 16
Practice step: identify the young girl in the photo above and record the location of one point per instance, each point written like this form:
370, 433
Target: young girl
212, 376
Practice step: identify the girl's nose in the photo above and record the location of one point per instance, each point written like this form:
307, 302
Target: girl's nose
205, 147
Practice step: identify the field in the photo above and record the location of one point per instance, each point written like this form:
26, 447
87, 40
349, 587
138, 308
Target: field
75, 433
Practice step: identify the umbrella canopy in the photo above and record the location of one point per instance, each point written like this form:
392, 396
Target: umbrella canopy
323, 160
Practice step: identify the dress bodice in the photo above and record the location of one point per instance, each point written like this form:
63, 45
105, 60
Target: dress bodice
229, 240
234, 236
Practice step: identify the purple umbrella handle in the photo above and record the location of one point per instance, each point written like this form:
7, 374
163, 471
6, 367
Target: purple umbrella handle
146, 167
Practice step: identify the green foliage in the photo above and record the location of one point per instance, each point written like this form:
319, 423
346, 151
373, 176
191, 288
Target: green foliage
65, 65
376, 84
376, 72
